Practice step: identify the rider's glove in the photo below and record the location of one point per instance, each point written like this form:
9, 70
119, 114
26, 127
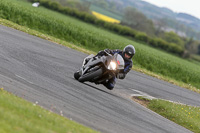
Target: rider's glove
121, 75
107, 51
103, 52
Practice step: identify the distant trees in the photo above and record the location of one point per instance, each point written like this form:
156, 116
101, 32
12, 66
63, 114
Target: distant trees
192, 46
137, 21
85, 6
179, 28
71, 3
172, 37
198, 49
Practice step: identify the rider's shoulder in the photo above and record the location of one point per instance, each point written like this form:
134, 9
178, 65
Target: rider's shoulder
130, 62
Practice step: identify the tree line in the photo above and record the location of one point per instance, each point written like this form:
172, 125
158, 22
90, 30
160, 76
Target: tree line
138, 21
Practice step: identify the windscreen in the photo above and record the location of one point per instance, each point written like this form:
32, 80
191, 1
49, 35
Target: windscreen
120, 61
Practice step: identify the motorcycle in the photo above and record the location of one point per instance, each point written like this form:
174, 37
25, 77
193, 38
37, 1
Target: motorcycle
99, 69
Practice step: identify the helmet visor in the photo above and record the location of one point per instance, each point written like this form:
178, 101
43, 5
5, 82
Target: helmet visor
128, 56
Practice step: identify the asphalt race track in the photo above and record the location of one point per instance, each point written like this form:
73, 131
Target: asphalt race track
42, 72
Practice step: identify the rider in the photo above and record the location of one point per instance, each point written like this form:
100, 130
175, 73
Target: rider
127, 53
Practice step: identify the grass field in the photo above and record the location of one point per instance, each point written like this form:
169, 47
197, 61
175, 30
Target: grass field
95, 39
20, 116
107, 13
186, 116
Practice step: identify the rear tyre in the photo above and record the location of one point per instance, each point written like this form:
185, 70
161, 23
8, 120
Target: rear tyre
77, 75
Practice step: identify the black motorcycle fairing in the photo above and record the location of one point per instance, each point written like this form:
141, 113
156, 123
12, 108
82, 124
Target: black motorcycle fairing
96, 61
99, 69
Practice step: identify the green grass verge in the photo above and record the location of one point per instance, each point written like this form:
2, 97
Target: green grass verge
20, 116
87, 36
186, 116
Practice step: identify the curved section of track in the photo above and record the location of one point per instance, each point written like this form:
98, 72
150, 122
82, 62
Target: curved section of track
41, 71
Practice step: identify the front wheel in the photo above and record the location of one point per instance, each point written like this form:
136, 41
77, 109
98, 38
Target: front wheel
90, 75
77, 75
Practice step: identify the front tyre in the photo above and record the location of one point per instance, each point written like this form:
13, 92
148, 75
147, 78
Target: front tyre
90, 75
77, 75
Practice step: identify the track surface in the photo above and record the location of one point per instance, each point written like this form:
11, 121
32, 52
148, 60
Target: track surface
41, 71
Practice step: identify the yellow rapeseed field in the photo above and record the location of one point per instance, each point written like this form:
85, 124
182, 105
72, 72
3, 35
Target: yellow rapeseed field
105, 18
